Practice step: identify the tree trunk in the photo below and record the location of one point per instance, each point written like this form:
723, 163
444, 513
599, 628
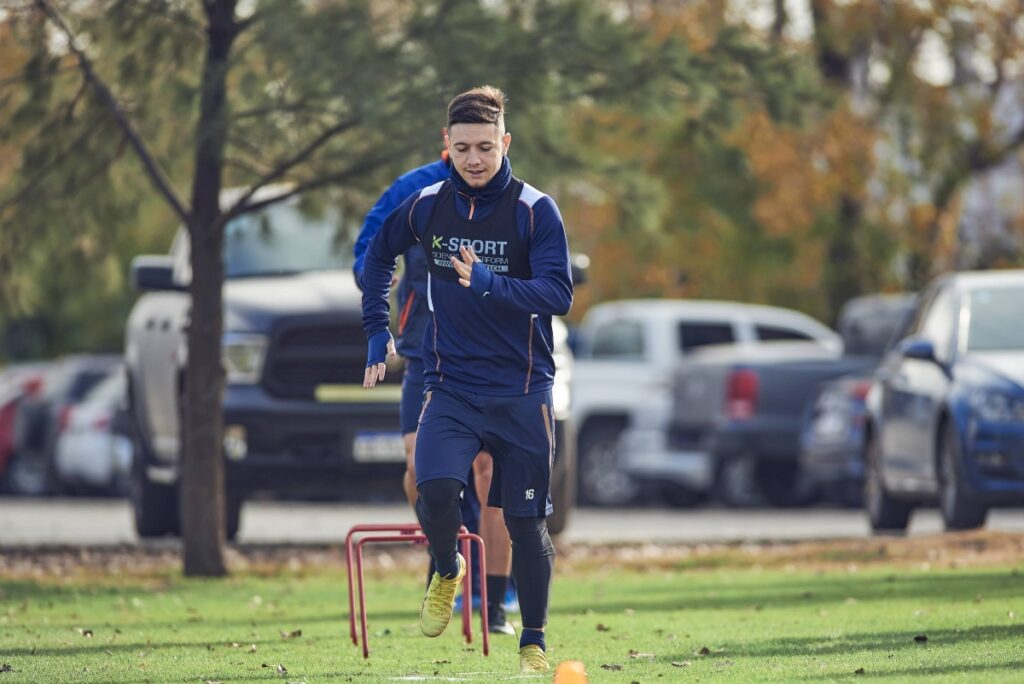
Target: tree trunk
842, 278
202, 479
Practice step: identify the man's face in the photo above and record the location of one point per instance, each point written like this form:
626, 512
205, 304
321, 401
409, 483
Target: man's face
476, 150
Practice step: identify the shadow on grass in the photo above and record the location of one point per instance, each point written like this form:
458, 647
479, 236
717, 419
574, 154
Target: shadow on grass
973, 668
902, 640
963, 586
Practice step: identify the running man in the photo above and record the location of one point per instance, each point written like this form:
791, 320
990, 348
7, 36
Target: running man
412, 321
498, 269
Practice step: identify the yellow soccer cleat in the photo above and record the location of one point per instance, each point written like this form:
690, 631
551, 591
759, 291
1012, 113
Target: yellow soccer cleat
532, 660
436, 609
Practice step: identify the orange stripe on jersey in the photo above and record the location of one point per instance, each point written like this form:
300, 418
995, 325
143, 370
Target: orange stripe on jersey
404, 317
529, 366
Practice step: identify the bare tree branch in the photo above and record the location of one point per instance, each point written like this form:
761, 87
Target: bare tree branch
299, 157
311, 184
156, 174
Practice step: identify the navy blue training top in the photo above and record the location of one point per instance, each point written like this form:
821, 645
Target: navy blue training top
502, 343
412, 289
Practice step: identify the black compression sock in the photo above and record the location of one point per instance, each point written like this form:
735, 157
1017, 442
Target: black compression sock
437, 508
533, 562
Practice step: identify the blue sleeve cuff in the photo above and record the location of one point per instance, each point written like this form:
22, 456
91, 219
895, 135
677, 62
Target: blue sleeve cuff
378, 348
481, 279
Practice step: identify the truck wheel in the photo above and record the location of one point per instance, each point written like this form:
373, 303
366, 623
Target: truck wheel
155, 505
563, 480
886, 514
959, 510
27, 474
736, 483
232, 514
602, 481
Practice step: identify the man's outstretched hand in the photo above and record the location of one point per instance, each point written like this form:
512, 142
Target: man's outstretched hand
381, 348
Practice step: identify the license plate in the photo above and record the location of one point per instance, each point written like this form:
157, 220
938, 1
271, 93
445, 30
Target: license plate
378, 447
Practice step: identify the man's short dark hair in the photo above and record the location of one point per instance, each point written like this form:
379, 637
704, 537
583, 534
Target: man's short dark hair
484, 104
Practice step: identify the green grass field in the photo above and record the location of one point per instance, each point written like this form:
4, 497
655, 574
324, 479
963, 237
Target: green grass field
831, 613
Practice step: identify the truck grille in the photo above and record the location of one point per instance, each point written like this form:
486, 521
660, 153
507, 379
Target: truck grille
307, 352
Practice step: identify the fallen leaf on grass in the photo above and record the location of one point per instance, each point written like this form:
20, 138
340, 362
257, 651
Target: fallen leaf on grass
637, 654
921, 638
704, 650
601, 627
282, 670
859, 670
252, 649
210, 681
681, 663
612, 667
87, 633
292, 634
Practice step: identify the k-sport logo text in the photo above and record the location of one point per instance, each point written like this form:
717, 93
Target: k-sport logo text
490, 252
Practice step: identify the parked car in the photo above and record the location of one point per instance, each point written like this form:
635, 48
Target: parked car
946, 410
623, 389
17, 382
742, 406
297, 421
833, 429
94, 451
40, 418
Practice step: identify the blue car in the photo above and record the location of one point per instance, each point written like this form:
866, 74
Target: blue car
834, 423
946, 409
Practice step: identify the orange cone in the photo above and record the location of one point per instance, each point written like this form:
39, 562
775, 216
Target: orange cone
571, 672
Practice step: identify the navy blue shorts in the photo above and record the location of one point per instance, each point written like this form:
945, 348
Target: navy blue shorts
519, 432
412, 395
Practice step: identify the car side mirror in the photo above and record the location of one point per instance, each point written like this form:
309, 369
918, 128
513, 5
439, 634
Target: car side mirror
918, 348
579, 263
153, 273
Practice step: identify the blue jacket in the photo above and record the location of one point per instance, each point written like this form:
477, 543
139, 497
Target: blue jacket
500, 341
412, 289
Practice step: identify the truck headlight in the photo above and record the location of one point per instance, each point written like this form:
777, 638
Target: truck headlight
243, 355
997, 407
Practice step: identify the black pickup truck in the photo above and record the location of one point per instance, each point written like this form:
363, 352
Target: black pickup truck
296, 418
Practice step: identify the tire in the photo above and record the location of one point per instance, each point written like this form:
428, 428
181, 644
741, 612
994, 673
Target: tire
736, 483
563, 479
232, 514
154, 505
960, 511
601, 481
28, 474
885, 514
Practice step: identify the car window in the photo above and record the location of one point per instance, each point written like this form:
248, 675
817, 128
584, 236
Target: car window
108, 393
994, 322
83, 381
938, 323
770, 333
618, 340
701, 334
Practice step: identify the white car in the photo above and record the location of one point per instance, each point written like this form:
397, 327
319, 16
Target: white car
623, 380
90, 453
